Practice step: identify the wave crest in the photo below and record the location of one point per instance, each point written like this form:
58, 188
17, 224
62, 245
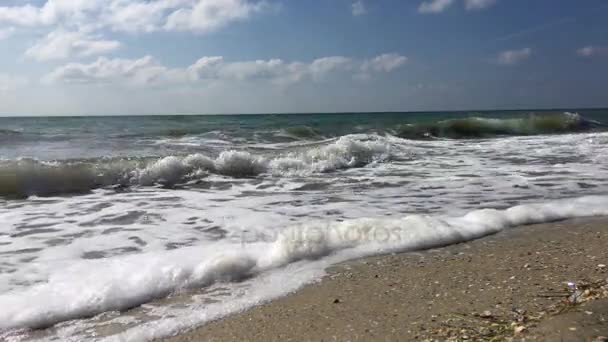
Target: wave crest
7, 134
478, 127
27, 177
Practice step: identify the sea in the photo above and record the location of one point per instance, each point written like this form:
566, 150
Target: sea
134, 228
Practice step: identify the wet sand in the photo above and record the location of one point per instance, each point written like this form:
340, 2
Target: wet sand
509, 286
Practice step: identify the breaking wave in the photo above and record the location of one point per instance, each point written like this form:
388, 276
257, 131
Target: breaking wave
478, 127
27, 177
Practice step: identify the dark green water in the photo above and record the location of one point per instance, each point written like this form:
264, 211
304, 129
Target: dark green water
134, 136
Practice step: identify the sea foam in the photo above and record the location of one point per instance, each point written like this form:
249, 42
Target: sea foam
89, 287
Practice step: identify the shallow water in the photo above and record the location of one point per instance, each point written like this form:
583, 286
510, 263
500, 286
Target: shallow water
220, 213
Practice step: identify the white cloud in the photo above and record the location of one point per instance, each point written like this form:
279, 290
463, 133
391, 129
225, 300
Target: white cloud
133, 15
53, 11
148, 71
589, 51
145, 70
206, 68
478, 4
209, 15
62, 44
511, 57
259, 69
358, 8
434, 6
6, 32
321, 67
67, 19
276, 70
26, 15
383, 63
137, 16
438, 6
386, 62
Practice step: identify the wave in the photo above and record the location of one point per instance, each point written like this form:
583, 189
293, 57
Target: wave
479, 127
459, 128
124, 282
25, 177
6, 134
300, 133
9, 132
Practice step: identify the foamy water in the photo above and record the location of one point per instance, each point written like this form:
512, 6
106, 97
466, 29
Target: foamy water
226, 223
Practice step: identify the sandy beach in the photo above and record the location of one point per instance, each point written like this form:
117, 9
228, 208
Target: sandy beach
509, 286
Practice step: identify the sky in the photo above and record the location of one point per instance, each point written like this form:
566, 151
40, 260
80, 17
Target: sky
98, 57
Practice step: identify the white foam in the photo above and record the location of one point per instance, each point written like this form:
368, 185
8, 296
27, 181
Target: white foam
167, 170
48, 239
88, 287
239, 163
346, 152
31, 177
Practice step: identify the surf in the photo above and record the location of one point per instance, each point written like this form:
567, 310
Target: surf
125, 282
26, 176
484, 127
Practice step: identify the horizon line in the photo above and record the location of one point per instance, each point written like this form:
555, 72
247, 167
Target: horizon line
307, 113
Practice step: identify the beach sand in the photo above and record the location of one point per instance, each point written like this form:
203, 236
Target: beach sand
512, 285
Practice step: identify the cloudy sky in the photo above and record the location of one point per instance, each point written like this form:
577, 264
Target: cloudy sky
255, 56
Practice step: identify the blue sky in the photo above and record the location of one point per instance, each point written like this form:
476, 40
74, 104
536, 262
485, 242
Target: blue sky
251, 56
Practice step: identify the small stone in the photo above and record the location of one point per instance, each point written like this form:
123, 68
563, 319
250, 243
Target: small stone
486, 314
572, 329
336, 301
601, 266
588, 312
527, 266
519, 329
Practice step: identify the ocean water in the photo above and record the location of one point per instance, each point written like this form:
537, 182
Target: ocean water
134, 228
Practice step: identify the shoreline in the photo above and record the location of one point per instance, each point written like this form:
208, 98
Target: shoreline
509, 285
